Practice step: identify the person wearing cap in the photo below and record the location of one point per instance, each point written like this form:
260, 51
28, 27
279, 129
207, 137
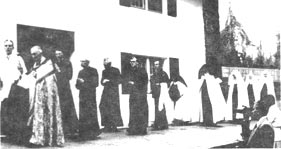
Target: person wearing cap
86, 83
69, 116
138, 80
109, 104
159, 84
45, 112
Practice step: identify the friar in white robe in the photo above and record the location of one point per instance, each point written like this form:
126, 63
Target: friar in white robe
237, 95
251, 83
189, 106
211, 89
265, 86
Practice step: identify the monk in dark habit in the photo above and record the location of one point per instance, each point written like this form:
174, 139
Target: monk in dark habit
64, 75
138, 81
109, 104
87, 82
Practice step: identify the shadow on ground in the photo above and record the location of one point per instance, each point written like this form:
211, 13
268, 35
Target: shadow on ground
239, 144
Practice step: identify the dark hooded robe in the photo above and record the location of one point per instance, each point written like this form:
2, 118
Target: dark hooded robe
206, 105
69, 116
264, 91
88, 118
234, 101
109, 104
206, 102
251, 95
138, 120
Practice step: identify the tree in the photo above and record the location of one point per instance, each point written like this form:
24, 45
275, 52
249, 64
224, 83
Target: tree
277, 54
233, 42
269, 63
259, 61
249, 62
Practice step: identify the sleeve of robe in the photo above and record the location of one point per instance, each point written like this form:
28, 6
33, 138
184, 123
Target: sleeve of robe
117, 77
142, 80
90, 82
69, 70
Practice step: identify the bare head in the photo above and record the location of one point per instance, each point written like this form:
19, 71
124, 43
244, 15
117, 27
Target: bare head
107, 63
59, 55
133, 62
157, 64
85, 63
36, 53
9, 46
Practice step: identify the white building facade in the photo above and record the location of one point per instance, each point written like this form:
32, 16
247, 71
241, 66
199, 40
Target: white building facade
104, 28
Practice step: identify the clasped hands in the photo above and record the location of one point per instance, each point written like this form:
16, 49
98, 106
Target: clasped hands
105, 81
80, 80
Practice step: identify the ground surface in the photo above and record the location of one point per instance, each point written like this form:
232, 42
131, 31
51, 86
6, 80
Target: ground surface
187, 137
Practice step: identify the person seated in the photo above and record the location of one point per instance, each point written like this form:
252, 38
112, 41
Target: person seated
260, 109
274, 117
262, 136
262, 106
267, 131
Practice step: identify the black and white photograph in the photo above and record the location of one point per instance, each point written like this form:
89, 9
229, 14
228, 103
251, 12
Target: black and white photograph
113, 74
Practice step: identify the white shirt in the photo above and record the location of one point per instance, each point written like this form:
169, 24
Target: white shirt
12, 67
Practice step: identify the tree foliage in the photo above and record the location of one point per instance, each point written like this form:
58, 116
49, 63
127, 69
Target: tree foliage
277, 54
233, 42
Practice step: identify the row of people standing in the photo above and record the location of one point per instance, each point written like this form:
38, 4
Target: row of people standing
209, 101
47, 104
37, 106
51, 114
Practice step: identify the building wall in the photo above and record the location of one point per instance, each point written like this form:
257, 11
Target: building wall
105, 29
257, 72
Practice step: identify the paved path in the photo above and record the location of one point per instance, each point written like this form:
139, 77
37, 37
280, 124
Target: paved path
186, 137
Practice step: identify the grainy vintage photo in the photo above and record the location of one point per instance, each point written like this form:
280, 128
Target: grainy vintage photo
140, 74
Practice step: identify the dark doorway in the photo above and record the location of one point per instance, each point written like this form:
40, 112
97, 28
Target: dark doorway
174, 67
49, 40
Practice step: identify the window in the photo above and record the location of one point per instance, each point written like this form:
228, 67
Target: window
138, 3
125, 3
172, 8
155, 5
174, 67
126, 68
146, 62
133, 3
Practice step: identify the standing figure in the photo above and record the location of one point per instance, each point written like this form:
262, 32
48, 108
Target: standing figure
64, 75
87, 82
45, 113
138, 81
109, 104
213, 102
274, 117
159, 85
250, 82
14, 109
266, 86
189, 106
237, 95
